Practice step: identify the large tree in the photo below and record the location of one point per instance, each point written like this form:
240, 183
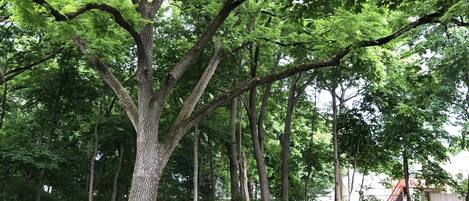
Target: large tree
86, 21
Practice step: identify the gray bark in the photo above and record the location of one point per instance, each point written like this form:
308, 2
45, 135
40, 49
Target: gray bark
292, 99
337, 175
234, 163
213, 176
260, 163
92, 161
4, 101
262, 111
244, 178
253, 124
196, 164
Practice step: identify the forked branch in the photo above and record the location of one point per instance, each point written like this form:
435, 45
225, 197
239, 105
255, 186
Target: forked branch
193, 99
178, 70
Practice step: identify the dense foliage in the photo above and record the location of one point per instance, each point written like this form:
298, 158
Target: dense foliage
92, 91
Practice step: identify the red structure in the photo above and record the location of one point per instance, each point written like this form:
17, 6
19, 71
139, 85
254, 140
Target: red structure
398, 192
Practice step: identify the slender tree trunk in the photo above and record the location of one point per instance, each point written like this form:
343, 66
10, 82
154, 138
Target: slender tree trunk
311, 148
213, 177
253, 124
235, 190
39, 187
92, 160
286, 138
87, 185
260, 163
264, 103
262, 111
4, 101
116, 175
337, 175
242, 161
252, 190
406, 176
196, 164
352, 182
244, 178
354, 165
360, 192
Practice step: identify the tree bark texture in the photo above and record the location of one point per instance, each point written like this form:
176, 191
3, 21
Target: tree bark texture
292, 99
337, 175
244, 178
260, 163
196, 164
234, 163
94, 152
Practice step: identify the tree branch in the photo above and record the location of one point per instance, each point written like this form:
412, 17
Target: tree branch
15, 72
333, 61
111, 81
6, 33
460, 22
193, 99
178, 70
95, 6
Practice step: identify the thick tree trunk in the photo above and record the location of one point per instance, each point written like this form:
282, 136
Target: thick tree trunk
234, 164
116, 175
406, 177
196, 164
286, 138
150, 157
149, 162
337, 175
